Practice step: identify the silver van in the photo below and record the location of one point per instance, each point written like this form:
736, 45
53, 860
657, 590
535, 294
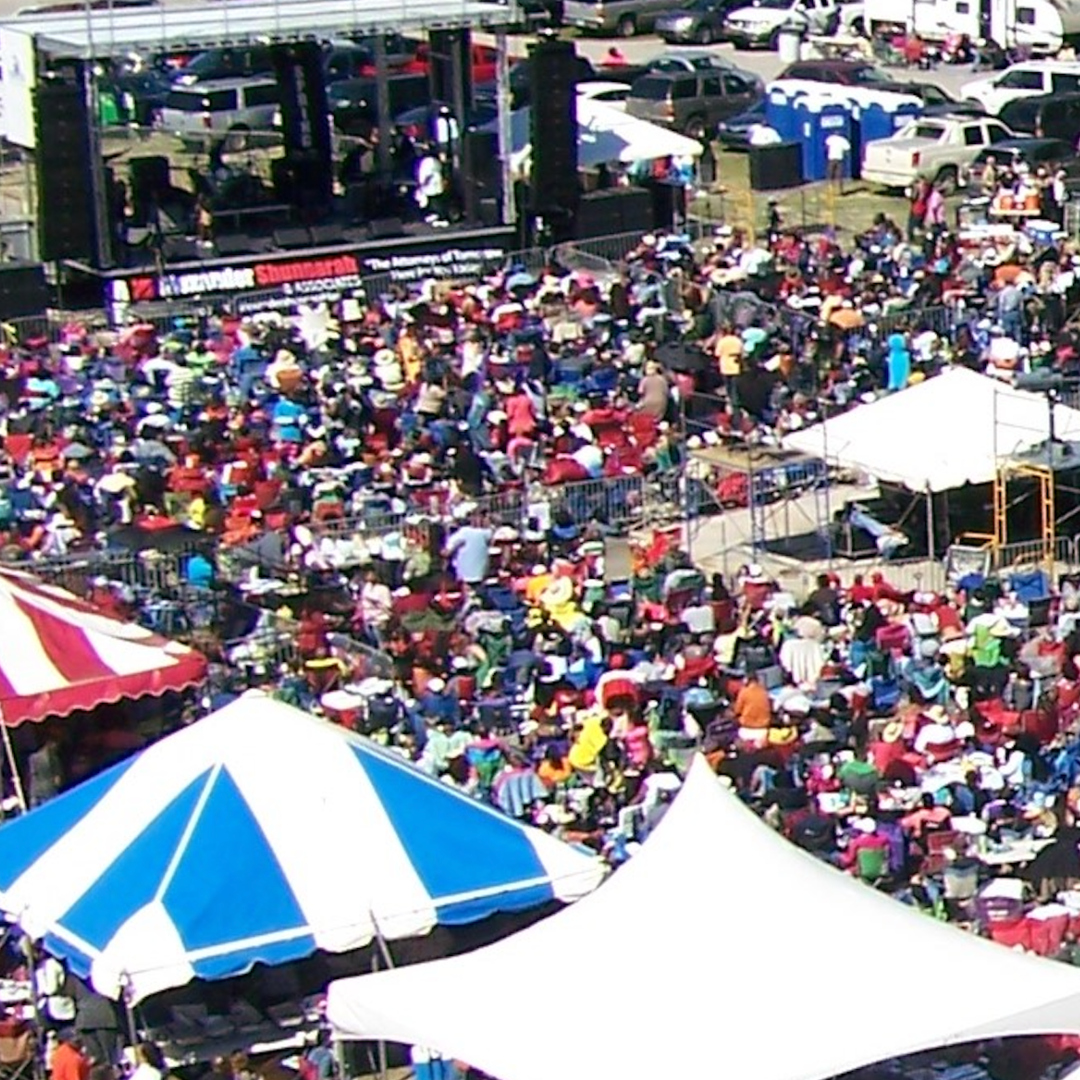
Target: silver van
242, 111
622, 17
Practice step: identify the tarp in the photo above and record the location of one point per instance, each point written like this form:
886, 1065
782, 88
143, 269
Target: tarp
943, 433
61, 654
719, 942
605, 136
262, 834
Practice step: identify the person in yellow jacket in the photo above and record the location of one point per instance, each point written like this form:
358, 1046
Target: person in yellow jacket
590, 742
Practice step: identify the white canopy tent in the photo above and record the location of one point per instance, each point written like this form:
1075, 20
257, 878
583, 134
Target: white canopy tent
605, 135
693, 937
943, 433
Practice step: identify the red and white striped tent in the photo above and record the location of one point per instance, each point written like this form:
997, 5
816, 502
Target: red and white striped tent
60, 654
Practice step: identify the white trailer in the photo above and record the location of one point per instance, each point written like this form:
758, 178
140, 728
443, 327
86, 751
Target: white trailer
1043, 26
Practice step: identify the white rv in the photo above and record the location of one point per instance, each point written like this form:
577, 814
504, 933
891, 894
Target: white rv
1043, 26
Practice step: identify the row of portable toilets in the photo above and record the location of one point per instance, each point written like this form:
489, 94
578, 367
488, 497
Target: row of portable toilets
807, 113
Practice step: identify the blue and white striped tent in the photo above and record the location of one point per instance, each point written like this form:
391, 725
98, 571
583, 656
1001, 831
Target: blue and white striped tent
262, 834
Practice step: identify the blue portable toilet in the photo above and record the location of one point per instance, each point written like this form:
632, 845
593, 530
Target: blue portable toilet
836, 118
780, 112
883, 114
820, 116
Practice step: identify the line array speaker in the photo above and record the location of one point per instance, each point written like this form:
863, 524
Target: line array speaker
554, 134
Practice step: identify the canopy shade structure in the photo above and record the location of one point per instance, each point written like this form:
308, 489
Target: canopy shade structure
605, 136
692, 934
263, 835
940, 434
61, 654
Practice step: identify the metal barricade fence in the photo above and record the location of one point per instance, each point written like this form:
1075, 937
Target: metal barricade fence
1033, 553
150, 570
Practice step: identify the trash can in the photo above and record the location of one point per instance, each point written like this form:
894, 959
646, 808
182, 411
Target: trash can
788, 44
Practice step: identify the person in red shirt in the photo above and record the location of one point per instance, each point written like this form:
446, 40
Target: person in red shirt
68, 1060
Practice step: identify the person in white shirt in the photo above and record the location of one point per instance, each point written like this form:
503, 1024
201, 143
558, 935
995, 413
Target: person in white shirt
837, 148
430, 186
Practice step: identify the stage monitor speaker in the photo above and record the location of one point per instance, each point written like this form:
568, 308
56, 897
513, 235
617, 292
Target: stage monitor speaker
23, 290
450, 67
327, 235
774, 168
385, 228
150, 181
305, 113
235, 244
489, 212
292, 238
66, 216
554, 134
180, 249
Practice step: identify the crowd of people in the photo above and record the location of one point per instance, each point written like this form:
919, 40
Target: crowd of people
447, 476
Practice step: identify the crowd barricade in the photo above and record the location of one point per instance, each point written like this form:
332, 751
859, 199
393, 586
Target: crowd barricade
150, 570
1033, 552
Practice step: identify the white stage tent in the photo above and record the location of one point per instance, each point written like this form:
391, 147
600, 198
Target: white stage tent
943, 433
719, 948
605, 136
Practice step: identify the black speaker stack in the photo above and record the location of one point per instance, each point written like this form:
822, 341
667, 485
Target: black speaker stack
65, 196
305, 124
150, 184
450, 64
481, 176
554, 135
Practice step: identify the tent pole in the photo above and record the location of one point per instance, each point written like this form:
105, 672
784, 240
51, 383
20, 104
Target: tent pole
384, 952
930, 524
383, 1067
9, 753
129, 1013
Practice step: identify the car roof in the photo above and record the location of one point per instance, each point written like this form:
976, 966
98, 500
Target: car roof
205, 86
831, 65
1022, 143
600, 85
1044, 65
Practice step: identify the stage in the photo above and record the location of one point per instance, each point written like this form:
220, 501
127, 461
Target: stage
358, 262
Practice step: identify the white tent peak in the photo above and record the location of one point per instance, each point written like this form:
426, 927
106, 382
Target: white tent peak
719, 934
947, 431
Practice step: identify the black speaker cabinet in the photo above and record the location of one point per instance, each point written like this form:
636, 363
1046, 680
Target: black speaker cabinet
385, 228
305, 114
66, 212
554, 132
292, 238
150, 182
235, 244
23, 290
774, 168
450, 66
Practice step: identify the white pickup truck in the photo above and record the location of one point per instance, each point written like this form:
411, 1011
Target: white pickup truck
935, 148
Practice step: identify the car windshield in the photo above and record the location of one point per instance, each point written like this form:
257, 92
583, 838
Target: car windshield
869, 75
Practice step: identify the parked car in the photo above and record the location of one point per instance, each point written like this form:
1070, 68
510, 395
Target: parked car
624, 18
700, 22
936, 101
1050, 116
420, 120
354, 103
483, 60
693, 102
1052, 154
935, 148
837, 72
238, 109
734, 132
759, 24
608, 93
1029, 79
